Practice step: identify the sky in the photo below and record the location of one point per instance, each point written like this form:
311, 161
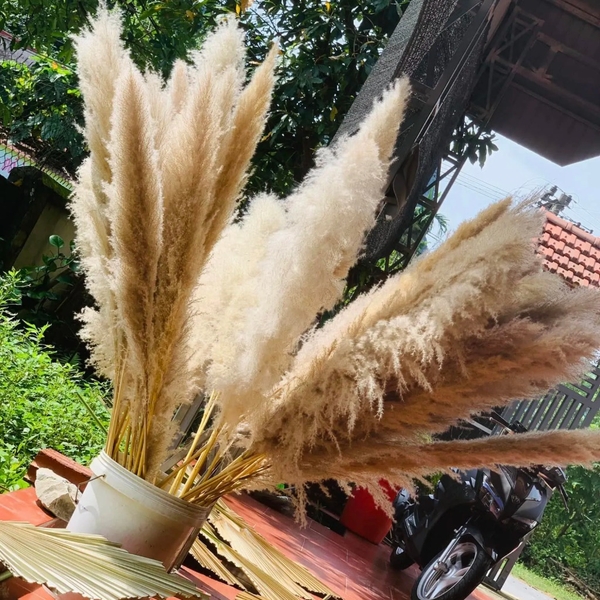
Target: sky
514, 169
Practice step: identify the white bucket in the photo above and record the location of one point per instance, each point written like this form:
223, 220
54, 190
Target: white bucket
144, 519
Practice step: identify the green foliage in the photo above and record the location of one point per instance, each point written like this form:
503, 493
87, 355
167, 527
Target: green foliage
157, 31
40, 106
470, 140
571, 538
40, 398
328, 50
43, 287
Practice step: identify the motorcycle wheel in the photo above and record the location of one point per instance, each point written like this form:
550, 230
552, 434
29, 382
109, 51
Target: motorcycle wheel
399, 559
455, 579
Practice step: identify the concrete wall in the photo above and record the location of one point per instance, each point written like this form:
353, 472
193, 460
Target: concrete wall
53, 220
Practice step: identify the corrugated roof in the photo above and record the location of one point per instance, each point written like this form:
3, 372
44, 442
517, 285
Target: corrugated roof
570, 251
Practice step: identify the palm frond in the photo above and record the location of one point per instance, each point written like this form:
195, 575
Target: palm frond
275, 576
86, 564
267, 586
264, 555
209, 560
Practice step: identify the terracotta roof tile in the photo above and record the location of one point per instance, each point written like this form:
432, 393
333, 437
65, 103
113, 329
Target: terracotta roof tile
583, 246
554, 230
568, 238
563, 261
570, 251
556, 244
588, 261
576, 268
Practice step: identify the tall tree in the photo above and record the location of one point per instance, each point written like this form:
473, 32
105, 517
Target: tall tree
328, 49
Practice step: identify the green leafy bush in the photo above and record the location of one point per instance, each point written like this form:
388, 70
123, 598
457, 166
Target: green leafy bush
42, 401
570, 537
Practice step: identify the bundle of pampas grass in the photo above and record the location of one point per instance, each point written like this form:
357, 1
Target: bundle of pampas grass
169, 268
190, 301
464, 329
167, 165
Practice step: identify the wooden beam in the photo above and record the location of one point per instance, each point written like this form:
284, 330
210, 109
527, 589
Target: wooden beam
570, 99
581, 13
545, 100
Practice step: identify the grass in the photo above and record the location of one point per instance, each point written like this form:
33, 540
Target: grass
548, 586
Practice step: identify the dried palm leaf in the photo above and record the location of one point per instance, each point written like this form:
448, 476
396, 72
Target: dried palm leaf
210, 561
267, 586
260, 561
86, 564
254, 548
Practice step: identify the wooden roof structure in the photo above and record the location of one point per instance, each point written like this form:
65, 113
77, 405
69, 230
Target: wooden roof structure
528, 69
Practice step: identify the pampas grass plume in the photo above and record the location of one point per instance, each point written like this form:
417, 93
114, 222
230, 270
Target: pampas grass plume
307, 260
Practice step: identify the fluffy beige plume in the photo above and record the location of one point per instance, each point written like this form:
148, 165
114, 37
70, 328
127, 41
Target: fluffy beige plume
227, 127
100, 326
219, 306
135, 213
97, 81
307, 260
168, 162
469, 327
400, 463
247, 126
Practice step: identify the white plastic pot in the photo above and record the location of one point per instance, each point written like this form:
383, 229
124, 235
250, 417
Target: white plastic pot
144, 519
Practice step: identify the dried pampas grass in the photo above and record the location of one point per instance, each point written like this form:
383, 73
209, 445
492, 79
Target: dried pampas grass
469, 327
189, 301
168, 162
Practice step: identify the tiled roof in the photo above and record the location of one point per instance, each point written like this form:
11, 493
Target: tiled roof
570, 251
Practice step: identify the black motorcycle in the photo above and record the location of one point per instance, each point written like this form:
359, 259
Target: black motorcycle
469, 524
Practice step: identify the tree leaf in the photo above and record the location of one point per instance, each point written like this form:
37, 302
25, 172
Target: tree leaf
56, 241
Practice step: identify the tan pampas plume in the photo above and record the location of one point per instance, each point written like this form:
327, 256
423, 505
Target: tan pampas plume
469, 327
219, 308
168, 162
97, 81
370, 461
214, 188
